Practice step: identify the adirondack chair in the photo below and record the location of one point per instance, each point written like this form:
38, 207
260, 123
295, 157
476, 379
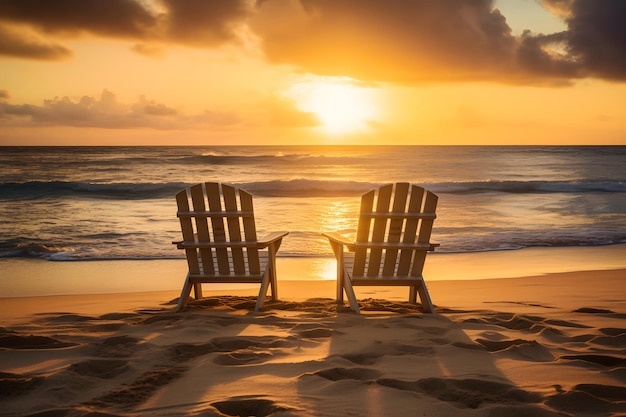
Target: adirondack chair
221, 243
393, 237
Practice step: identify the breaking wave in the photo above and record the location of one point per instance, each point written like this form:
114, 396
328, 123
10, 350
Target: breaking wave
291, 188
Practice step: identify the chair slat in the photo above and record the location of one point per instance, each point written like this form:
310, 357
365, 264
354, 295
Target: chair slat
249, 229
363, 232
182, 201
234, 230
423, 235
213, 194
379, 228
202, 227
396, 226
410, 229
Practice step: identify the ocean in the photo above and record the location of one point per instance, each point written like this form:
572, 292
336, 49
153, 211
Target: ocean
99, 203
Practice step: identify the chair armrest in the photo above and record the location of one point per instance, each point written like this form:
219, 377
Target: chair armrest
336, 238
271, 238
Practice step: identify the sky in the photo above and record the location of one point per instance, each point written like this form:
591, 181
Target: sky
299, 72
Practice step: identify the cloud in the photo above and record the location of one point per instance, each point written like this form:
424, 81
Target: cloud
415, 41
196, 23
108, 113
115, 18
402, 41
596, 36
20, 44
205, 23
396, 40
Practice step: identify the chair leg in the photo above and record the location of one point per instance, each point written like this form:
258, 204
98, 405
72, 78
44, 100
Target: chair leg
272, 271
184, 294
427, 304
265, 283
197, 290
354, 304
341, 275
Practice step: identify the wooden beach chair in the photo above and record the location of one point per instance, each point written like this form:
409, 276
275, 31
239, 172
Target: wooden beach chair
393, 237
221, 242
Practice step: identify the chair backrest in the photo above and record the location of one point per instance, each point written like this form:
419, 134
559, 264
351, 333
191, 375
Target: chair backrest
393, 233
224, 235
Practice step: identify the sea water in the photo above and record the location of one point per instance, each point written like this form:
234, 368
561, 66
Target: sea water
88, 203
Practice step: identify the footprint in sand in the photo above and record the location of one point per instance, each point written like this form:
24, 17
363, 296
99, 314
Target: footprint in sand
242, 358
249, 407
470, 393
603, 360
337, 374
612, 341
100, 368
592, 399
117, 347
66, 318
529, 350
19, 341
226, 344
613, 331
138, 390
185, 351
13, 385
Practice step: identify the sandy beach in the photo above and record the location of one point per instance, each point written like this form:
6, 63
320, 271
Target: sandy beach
552, 344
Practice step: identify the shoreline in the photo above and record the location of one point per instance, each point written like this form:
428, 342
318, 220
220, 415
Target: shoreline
566, 289
25, 277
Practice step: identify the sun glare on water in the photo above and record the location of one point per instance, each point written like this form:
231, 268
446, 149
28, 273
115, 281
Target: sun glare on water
339, 103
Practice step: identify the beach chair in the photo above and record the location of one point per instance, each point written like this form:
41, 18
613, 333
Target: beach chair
393, 237
220, 242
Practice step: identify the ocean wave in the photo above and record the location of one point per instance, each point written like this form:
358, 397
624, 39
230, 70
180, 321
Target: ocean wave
277, 159
25, 248
530, 187
122, 191
292, 188
39, 249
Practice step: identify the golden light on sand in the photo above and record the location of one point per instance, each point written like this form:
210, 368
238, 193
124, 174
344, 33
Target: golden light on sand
340, 104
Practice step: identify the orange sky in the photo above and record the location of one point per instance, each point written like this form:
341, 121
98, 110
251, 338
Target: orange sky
168, 72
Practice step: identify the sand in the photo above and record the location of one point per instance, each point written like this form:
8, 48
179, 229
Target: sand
544, 345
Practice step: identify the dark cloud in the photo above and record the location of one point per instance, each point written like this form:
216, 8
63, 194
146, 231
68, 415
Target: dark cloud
192, 22
408, 41
4, 94
107, 112
395, 40
27, 46
446, 40
119, 18
597, 37
201, 22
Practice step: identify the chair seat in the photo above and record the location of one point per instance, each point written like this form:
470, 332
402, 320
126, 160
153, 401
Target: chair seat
383, 281
232, 278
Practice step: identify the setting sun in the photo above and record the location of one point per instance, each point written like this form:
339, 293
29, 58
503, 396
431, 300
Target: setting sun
339, 104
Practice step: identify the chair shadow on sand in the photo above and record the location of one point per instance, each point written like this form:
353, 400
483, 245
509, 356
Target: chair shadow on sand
221, 358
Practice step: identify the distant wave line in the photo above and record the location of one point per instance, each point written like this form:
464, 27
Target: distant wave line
293, 188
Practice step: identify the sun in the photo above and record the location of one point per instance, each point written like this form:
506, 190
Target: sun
340, 104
